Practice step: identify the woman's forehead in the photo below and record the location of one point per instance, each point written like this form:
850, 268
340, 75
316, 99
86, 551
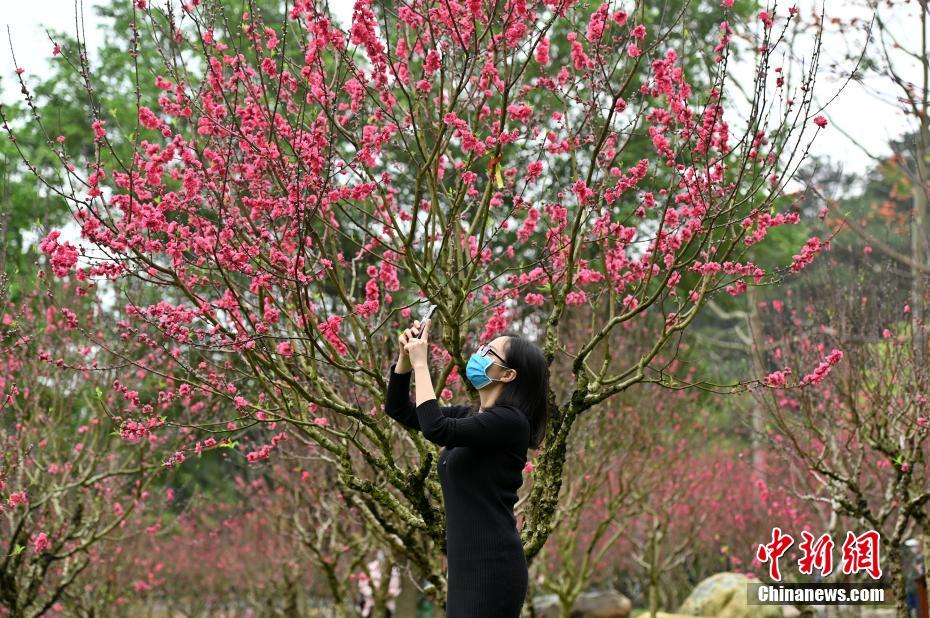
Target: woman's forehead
499, 344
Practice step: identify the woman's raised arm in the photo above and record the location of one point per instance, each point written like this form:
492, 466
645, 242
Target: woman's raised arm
399, 406
500, 426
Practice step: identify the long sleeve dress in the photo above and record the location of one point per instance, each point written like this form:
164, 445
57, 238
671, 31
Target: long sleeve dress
480, 470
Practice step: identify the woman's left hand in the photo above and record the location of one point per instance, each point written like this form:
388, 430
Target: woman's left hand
418, 347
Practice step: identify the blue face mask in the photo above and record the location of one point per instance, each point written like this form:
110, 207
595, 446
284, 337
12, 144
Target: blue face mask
477, 370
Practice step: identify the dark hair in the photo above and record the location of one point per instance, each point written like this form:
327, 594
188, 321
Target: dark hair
528, 391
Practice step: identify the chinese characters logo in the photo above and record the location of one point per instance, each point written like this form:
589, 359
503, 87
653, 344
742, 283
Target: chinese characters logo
859, 553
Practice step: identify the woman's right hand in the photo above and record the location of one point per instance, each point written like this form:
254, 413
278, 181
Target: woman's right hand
403, 358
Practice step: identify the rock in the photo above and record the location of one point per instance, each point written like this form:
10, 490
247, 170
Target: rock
546, 606
595, 604
603, 604
723, 595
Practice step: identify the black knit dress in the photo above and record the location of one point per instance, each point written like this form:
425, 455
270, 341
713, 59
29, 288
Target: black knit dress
480, 471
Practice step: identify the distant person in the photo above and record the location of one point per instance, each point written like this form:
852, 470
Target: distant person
367, 587
909, 565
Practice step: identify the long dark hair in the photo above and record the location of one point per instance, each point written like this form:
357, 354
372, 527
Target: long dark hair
528, 390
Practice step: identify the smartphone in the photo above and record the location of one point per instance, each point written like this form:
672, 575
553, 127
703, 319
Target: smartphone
425, 317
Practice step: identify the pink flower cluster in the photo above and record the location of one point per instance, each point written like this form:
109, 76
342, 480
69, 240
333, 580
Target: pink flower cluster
777, 378
40, 543
17, 498
62, 256
811, 248
262, 453
823, 369
133, 431
208, 443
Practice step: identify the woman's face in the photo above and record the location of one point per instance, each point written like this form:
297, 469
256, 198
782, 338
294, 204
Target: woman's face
498, 353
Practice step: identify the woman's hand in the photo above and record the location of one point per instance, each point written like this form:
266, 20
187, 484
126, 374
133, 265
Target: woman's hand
403, 359
415, 347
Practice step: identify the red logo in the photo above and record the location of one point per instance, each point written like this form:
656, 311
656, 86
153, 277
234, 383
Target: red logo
771, 552
860, 553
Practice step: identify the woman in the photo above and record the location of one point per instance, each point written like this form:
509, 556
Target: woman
481, 464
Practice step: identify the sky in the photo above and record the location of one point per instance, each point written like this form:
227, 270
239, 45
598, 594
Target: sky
865, 110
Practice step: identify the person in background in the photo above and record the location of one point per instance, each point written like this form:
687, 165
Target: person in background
367, 587
909, 566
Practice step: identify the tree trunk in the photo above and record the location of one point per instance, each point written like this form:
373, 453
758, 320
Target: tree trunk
757, 345
654, 570
919, 245
897, 581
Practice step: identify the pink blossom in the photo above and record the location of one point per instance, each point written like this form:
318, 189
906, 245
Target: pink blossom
542, 51
62, 256
534, 299
820, 121
40, 543
577, 297
811, 248
533, 170
824, 368
596, 24
330, 330
776, 378
177, 458
432, 63
578, 55
148, 119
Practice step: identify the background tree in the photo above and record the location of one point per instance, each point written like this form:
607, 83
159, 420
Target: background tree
859, 424
68, 480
